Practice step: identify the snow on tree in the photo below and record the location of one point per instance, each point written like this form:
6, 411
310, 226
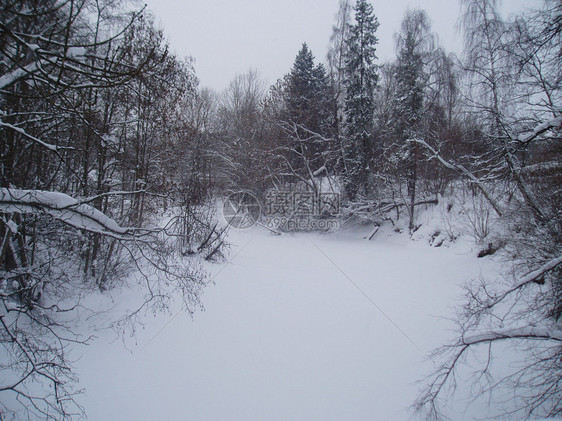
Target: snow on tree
414, 41
307, 120
336, 61
361, 81
92, 138
513, 98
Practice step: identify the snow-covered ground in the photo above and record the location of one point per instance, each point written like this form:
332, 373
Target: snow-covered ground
296, 327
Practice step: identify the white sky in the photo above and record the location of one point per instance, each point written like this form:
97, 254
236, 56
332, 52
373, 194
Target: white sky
229, 37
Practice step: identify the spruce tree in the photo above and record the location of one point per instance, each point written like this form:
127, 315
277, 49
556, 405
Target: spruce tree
361, 81
307, 93
307, 116
414, 42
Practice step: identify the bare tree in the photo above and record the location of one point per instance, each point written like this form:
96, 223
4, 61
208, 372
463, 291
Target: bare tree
85, 96
240, 140
517, 107
336, 59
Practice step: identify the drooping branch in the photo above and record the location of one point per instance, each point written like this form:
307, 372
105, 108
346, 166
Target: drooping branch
527, 332
555, 123
463, 171
63, 208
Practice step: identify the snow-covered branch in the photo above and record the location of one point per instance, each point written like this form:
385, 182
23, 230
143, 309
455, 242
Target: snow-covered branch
62, 207
555, 123
527, 332
17, 75
463, 171
21, 131
537, 274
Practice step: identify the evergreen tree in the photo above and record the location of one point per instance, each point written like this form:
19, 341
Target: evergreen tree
307, 118
361, 81
409, 77
413, 42
307, 93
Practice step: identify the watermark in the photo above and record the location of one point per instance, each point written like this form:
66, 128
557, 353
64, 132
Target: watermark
302, 224
241, 210
284, 210
297, 203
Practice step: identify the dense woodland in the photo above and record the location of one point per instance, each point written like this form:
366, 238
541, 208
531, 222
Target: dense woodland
103, 132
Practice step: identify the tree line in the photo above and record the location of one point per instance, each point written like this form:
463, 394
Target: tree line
393, 137
100, 136
112, 159
351, 121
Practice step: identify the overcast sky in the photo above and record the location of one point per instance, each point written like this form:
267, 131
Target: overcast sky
229, 37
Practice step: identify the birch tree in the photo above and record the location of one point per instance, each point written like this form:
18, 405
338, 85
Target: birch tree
517, 315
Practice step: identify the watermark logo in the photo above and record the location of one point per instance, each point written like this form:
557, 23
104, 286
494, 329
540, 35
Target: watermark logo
301, 211
302, 224
297, 203
241, 210
284, 210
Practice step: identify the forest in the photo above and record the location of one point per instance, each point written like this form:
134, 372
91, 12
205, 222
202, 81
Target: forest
114, 162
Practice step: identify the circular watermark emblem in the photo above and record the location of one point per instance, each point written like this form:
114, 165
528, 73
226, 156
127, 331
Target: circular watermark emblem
241, 210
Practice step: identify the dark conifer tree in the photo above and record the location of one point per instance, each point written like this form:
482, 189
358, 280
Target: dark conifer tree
361, 81
307, 118
307, 94
414, 41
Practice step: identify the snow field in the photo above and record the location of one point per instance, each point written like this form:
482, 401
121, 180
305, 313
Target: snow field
296, 327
